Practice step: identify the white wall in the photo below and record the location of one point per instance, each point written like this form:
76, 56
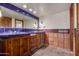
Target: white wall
30, 24
59, 20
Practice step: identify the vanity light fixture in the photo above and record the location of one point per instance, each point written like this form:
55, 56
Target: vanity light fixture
34, 12
24, 6
30, 9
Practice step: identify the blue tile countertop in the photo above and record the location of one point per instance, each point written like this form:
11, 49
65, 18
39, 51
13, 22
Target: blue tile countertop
12, 32
7, 35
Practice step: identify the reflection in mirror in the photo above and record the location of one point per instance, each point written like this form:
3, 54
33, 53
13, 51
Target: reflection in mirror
19, 23
32, 24
14, 19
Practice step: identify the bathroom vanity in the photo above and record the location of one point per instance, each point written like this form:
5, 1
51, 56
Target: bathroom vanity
21, 43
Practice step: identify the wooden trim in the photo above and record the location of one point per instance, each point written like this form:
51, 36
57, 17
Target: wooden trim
57, 30
77, 34
75, 50
71, 25
77, 15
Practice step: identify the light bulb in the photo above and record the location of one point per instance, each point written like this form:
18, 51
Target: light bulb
30, 9
24, 6
34, 12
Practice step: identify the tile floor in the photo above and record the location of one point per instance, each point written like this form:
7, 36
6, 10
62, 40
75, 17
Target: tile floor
53, 51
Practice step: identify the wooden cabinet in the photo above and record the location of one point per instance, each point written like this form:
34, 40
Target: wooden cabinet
7, 46
32, 43
40, 40
36, 41
22, 45
12, 46
1, 48
16, 46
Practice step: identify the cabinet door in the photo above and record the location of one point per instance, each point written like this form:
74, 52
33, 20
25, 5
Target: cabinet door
16, 46
8, 46
40, 40
1, 47
24, 46
32, 43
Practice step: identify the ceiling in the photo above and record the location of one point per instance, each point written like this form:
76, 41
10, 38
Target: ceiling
44, 9
12, 14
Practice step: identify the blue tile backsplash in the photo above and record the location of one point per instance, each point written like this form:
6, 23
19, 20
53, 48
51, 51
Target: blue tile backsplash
2, 30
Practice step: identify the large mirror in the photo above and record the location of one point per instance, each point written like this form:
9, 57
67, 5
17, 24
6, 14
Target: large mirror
14, 19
